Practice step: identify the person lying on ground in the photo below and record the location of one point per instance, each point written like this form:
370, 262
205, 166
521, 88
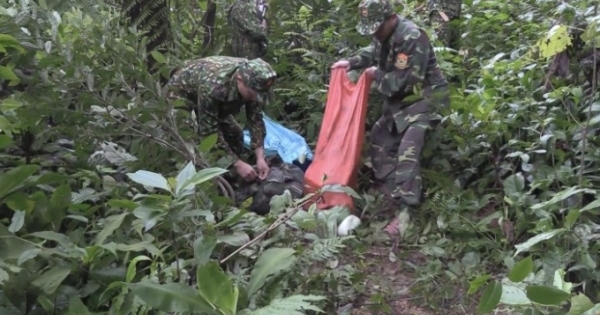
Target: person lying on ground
404, 67
216, 88
282, 176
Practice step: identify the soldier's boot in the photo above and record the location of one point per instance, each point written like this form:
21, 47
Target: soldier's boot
396, 208
393, 208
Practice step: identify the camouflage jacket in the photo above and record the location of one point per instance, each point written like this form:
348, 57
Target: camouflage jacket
248, 36
404, 61
280, 178
210, 84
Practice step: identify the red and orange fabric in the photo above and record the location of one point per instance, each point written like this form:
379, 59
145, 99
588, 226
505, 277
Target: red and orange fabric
338, 152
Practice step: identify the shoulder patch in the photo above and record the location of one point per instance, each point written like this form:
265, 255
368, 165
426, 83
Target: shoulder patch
401, 61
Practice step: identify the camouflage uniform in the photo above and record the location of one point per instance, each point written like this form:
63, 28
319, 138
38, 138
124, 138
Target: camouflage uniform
447, 32
280, 178
249, 37
209, 87
413, 86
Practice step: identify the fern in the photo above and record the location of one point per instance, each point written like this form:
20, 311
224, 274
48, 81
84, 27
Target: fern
440, 200
152, 18
292, 305
324, 249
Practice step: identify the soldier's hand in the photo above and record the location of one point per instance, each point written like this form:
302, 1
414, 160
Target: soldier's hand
263, 168
245, 171
370, 71
345, 64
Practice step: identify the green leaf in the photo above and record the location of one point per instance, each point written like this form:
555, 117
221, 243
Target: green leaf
514, 293
9, 41
62, 240
526, 246
235, 239
521, 270
149, 216
556, 41
111, 224
17, 222
559, 282
7, 74
572, 218
291, 305
14, 178
131, 269
580, 304
20, 201
203, 176
27, 255
476, 283
208, 143
546, 295
4, 276
160, 58
150, 179
122, 203
216, 288
5, 141
593, 311
10, 104
59, 203
186, 174
76, 307
203, 248
170, 297
560, 196
533, 311
340, 189
490, 297
51, 279
271, 261
514, 185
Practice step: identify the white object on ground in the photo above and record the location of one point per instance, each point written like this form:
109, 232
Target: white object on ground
348, 224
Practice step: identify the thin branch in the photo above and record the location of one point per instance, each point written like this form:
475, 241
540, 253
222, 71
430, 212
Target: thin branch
273, 226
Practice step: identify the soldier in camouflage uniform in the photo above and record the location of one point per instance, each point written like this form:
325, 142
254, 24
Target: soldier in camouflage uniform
281, 177
216, 88
448, 31
413, 86
249, 32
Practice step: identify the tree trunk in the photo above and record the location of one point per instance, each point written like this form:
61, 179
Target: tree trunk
208, 21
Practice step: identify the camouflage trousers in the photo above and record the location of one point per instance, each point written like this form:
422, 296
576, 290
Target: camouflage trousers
397, 140
242, 46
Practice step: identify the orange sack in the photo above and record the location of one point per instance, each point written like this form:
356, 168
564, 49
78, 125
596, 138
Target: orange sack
338, 152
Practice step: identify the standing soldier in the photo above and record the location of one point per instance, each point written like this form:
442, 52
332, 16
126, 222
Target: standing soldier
249, 32
216, 88
409, 78
444, 15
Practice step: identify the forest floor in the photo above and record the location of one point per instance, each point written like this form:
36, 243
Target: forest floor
392, 286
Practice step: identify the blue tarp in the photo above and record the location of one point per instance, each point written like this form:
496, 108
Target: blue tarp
283, 142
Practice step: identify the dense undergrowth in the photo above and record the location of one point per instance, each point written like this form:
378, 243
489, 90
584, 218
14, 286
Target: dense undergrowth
88, 225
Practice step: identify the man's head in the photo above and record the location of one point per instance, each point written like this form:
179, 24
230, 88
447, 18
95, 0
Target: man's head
255, 79
372, 14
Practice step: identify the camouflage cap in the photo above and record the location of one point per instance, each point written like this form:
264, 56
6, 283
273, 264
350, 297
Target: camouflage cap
259, 76
372, 14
